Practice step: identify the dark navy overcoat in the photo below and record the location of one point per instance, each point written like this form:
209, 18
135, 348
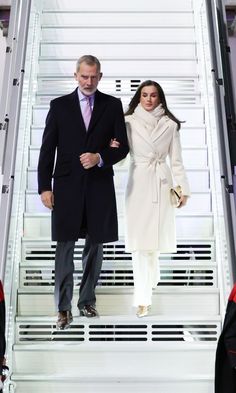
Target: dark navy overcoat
225, 366
2, 327
84, 199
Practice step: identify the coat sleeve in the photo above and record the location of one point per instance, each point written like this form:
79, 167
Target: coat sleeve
2, 327
229, 333
47, 152
176, 163
112, 155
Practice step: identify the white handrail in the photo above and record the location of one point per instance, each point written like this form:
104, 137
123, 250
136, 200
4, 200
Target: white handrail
218, 144
10, 126
20, 99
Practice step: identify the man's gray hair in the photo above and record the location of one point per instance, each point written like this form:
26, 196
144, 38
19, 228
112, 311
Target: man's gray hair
89, 60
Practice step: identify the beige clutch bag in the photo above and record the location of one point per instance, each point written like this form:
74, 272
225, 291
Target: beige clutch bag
175, 195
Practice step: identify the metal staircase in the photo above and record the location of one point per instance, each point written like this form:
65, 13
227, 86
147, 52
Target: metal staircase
173, 349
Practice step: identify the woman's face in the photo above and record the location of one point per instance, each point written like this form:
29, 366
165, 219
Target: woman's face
149, 98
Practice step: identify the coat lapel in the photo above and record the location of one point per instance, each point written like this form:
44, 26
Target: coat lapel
141, 130
151, 137
77, 114
162, 126
99, 106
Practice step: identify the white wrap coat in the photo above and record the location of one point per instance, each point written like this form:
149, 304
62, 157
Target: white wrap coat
149, 215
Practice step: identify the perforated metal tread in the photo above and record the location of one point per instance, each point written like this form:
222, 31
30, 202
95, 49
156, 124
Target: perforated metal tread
152, 328
187, 249
192, 265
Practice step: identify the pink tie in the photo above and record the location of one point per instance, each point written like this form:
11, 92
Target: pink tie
87, 112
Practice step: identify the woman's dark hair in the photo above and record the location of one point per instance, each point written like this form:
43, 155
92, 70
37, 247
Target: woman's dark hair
136, 99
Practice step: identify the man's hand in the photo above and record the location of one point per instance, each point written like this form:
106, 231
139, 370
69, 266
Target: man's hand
114, 143
89, 160
47, 198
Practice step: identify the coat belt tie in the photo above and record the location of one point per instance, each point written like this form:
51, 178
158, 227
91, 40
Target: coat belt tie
157, 173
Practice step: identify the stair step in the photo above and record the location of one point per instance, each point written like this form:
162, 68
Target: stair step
173, 300
124, 35
189, 113
122, 51
183, 67
200, 202
199, 180
67, 83
151, 329
38, 383
118, 19
191, 155
182, 6
194, 136
188, 225
116, 274
115, 359
189, 250
172, 99
193, 265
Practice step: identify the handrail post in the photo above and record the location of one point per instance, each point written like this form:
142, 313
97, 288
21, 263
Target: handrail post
13, 113
220, 91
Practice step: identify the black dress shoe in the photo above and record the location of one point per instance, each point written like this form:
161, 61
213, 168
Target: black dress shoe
88, 311
64, 320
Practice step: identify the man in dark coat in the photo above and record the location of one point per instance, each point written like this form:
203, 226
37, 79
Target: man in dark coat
225, 367
2, 335
80, 128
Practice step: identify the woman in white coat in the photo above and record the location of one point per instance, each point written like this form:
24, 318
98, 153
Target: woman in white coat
153, 135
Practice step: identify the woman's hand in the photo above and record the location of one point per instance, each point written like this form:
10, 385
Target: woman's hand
183, 201
114, 143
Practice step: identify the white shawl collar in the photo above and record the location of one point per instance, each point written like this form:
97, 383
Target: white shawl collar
154, 123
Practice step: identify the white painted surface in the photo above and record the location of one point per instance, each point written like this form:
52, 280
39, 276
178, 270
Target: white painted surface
116, 359
118, 302
232, 44
2, 58
1, 179
59, 384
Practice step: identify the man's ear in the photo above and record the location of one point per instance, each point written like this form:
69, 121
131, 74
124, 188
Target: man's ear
100, 75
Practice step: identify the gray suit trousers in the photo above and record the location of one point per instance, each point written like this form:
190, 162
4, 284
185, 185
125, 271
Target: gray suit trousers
92, 257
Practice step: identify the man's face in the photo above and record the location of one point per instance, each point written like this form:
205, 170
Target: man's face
88, 78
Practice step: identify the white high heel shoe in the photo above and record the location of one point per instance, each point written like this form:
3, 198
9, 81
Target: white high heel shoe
142, 311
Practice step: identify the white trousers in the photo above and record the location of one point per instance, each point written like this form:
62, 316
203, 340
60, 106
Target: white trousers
146, 271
